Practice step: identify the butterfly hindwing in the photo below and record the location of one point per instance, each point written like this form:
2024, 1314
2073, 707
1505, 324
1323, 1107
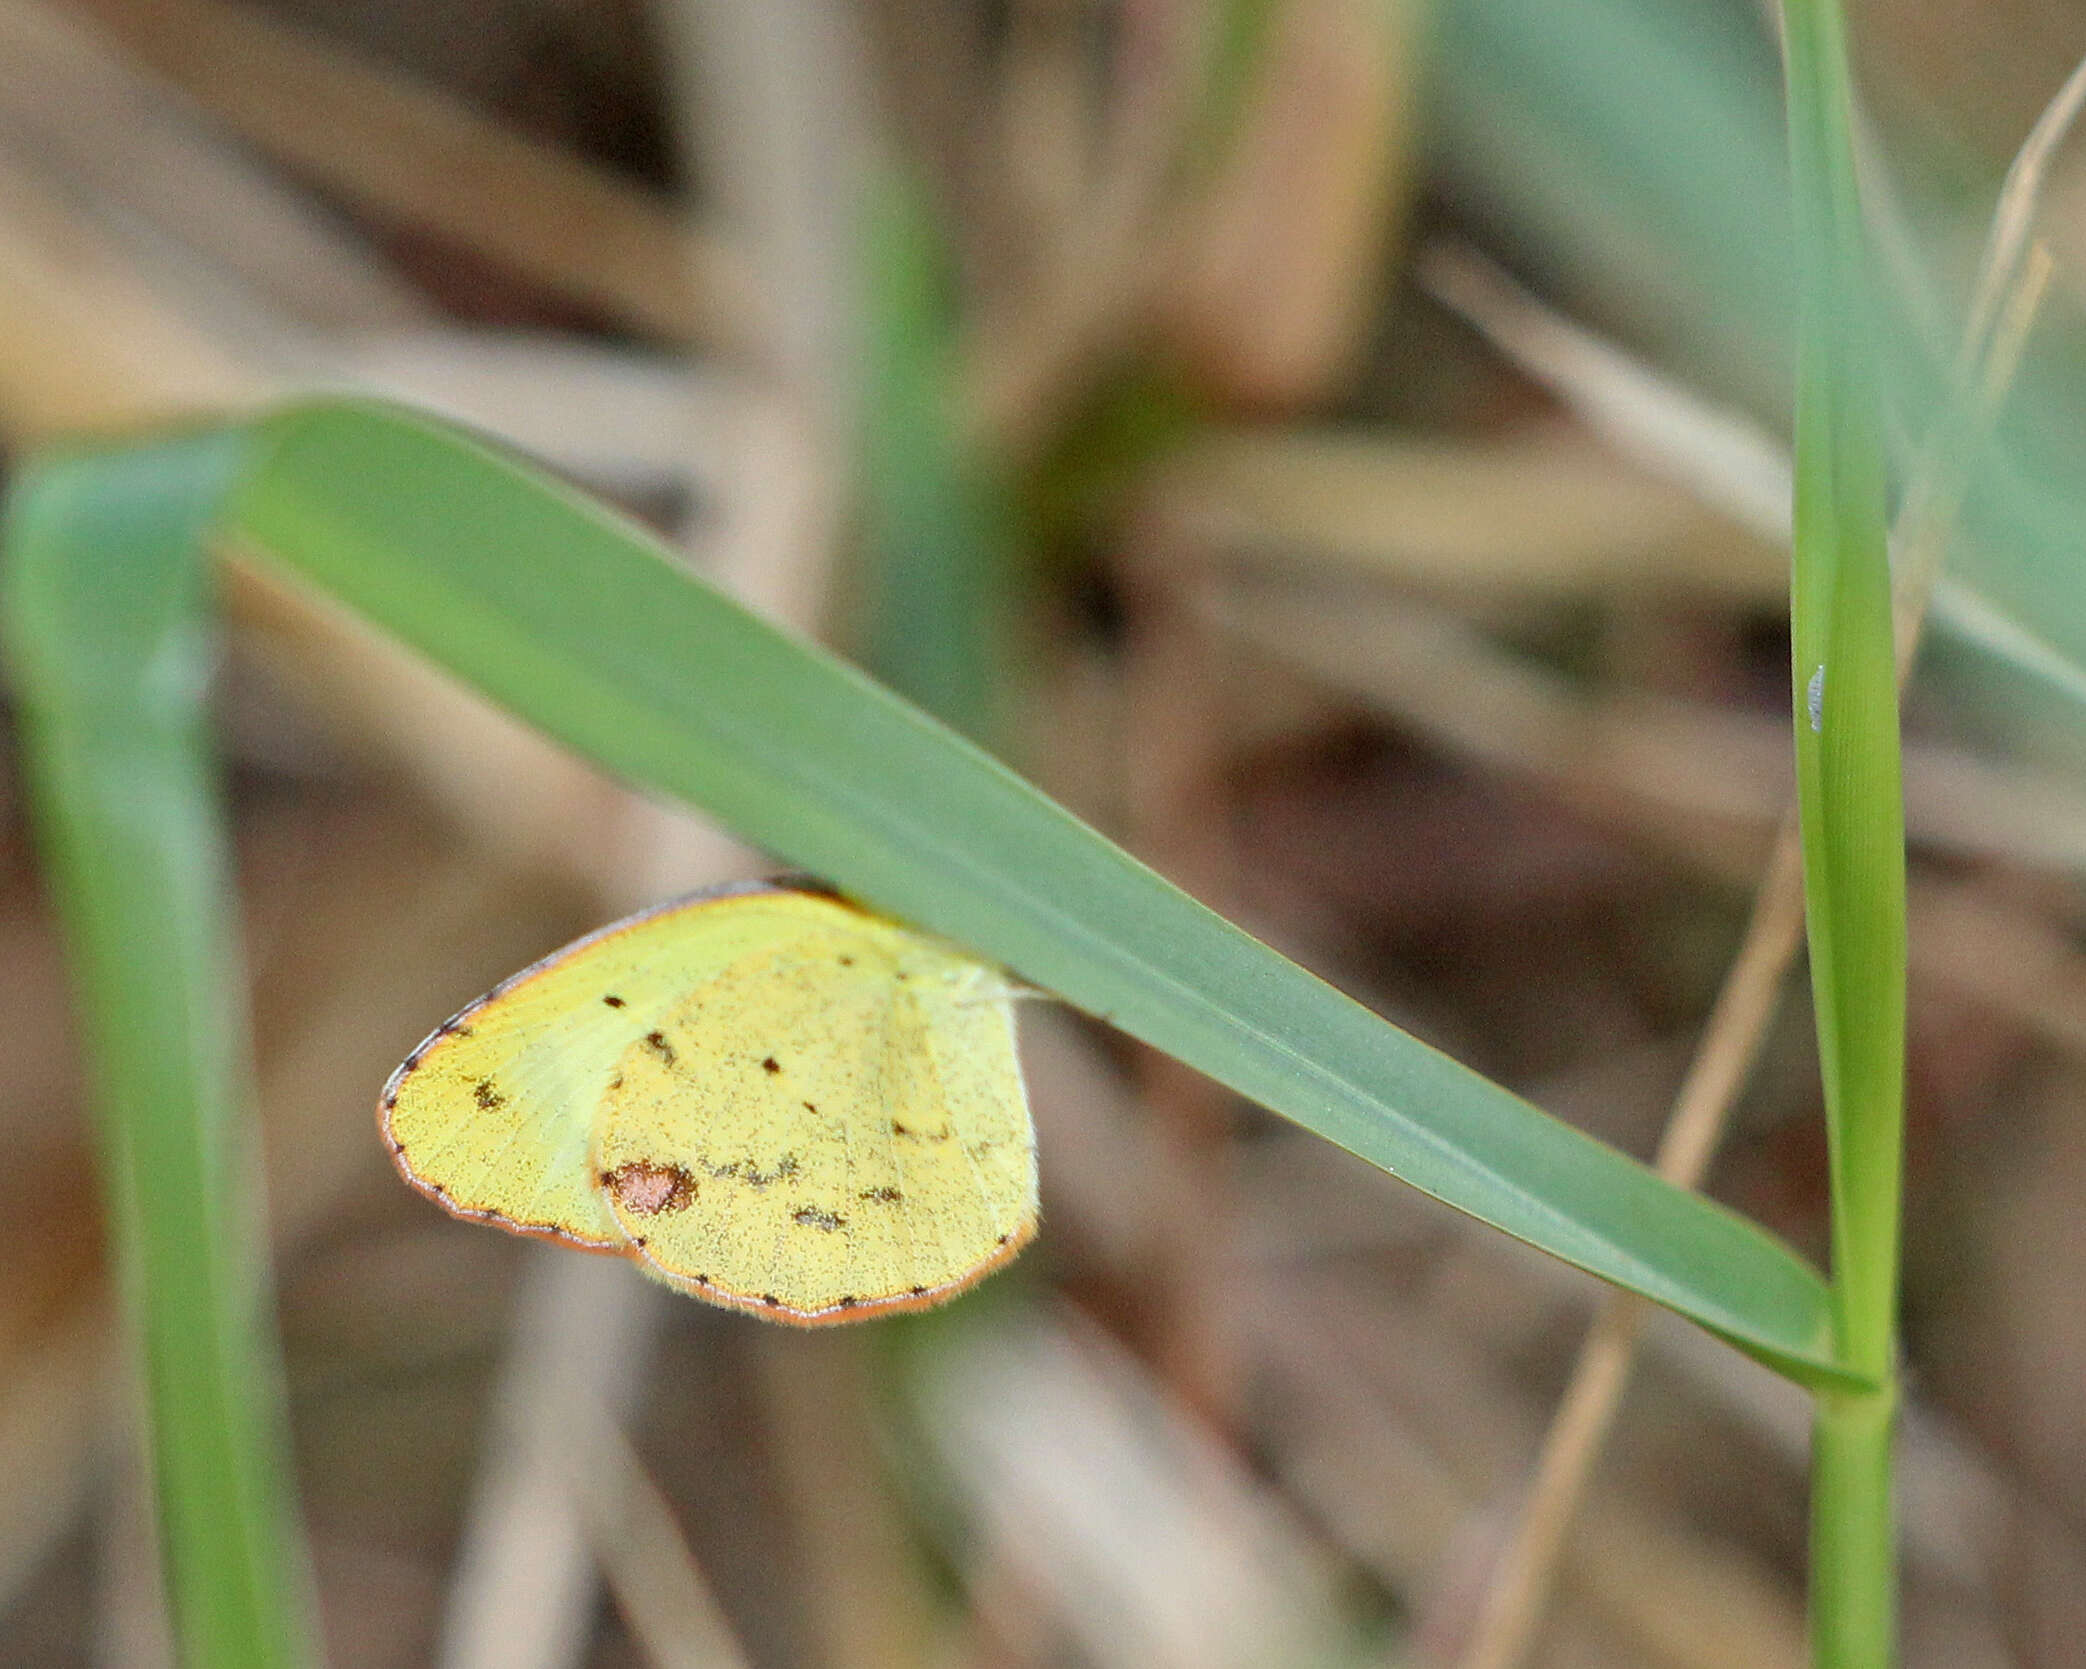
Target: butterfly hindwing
829, 1161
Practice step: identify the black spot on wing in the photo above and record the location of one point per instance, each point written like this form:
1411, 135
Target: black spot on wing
749, 1171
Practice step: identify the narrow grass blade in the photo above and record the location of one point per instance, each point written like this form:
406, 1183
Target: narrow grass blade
1851, 809
106, 616
1845, 674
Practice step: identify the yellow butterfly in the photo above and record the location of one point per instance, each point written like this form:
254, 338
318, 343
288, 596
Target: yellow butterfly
766, 1095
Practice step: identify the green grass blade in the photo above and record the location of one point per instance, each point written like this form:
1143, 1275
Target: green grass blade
107, 618
1848, 794
1846, 699
582, 626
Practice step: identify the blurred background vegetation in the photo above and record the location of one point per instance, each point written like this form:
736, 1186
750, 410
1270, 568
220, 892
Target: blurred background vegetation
1330, 444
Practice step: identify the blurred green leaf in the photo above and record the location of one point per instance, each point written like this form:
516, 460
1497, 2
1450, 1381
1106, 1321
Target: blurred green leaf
940, 545
1632, 153
109, 627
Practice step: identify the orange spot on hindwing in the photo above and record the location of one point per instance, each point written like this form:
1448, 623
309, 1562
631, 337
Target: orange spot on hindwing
646, 1189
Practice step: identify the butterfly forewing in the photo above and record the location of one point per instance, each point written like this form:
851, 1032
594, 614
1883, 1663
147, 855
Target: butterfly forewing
494, 1114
